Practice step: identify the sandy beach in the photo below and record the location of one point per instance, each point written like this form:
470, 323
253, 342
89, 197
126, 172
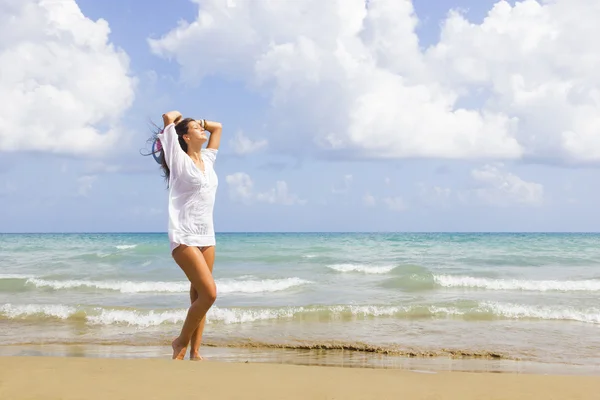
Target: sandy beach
93, 378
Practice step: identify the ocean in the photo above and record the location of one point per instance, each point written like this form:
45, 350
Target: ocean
358, 299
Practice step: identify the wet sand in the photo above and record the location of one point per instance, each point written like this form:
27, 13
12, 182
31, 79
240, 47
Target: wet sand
106, 378
307, 357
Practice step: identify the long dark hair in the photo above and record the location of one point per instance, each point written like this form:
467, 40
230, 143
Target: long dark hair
181, 127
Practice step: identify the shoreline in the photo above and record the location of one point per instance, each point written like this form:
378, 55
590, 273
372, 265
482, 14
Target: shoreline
94, 378
305, 357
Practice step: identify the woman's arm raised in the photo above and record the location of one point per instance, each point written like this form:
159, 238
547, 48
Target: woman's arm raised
171, 117
215, 129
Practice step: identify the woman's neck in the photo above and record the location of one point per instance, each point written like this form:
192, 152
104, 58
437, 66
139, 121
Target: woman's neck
195, 154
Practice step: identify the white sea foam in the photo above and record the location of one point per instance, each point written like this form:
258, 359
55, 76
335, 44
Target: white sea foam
366, 310
239, 315
516, 284
258, 286
137, 318
214, 315
236, 316
126, 246
120, 286
446, 311
518, 311
366, 269
147, 318
14, 311
226, 286
143, 318
15, 276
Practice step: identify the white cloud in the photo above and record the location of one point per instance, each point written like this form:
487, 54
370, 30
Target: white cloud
435, 195
369, 200
243, 145
525, 82
490, 185
64, 84
501, 188
241, 189
538, 62
345, 187
85, 184
395, 203
280, 195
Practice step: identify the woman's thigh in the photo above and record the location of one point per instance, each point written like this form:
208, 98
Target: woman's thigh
209, 256
192, 262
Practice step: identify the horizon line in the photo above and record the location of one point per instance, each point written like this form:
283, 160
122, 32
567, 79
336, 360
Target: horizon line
294, 232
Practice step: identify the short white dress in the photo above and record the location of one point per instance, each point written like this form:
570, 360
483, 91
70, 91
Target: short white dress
191, 193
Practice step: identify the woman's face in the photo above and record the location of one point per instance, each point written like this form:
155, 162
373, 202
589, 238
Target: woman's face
196, 133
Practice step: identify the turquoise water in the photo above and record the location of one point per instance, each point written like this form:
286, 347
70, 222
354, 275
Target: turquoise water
532, 297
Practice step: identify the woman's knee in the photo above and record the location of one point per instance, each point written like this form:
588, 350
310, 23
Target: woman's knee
212, 295
209, 292
194, 265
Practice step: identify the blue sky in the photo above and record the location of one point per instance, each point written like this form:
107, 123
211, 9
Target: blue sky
371, 138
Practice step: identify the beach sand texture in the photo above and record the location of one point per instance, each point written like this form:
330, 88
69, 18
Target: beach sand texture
45, 378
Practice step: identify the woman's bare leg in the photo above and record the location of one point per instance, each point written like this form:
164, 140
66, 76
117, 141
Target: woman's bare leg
193, 264
209, 257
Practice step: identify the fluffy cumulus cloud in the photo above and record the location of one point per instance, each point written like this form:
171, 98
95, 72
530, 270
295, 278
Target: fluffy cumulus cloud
242, 145
395, 203
523, 83
63, 84
436, 196
85, 184
490, 185
369, 200
502, 188
241, 189
537, 62
345, 185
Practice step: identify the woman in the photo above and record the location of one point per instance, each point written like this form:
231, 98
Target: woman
192, 180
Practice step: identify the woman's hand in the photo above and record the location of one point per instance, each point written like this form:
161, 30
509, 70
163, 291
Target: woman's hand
171, 117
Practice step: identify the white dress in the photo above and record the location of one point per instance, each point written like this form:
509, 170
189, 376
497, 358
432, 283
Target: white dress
191, 193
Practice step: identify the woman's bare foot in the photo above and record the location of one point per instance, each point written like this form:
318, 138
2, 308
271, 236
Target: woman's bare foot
195, 357
178, 350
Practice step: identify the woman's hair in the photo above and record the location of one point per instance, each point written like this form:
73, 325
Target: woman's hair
181, 127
